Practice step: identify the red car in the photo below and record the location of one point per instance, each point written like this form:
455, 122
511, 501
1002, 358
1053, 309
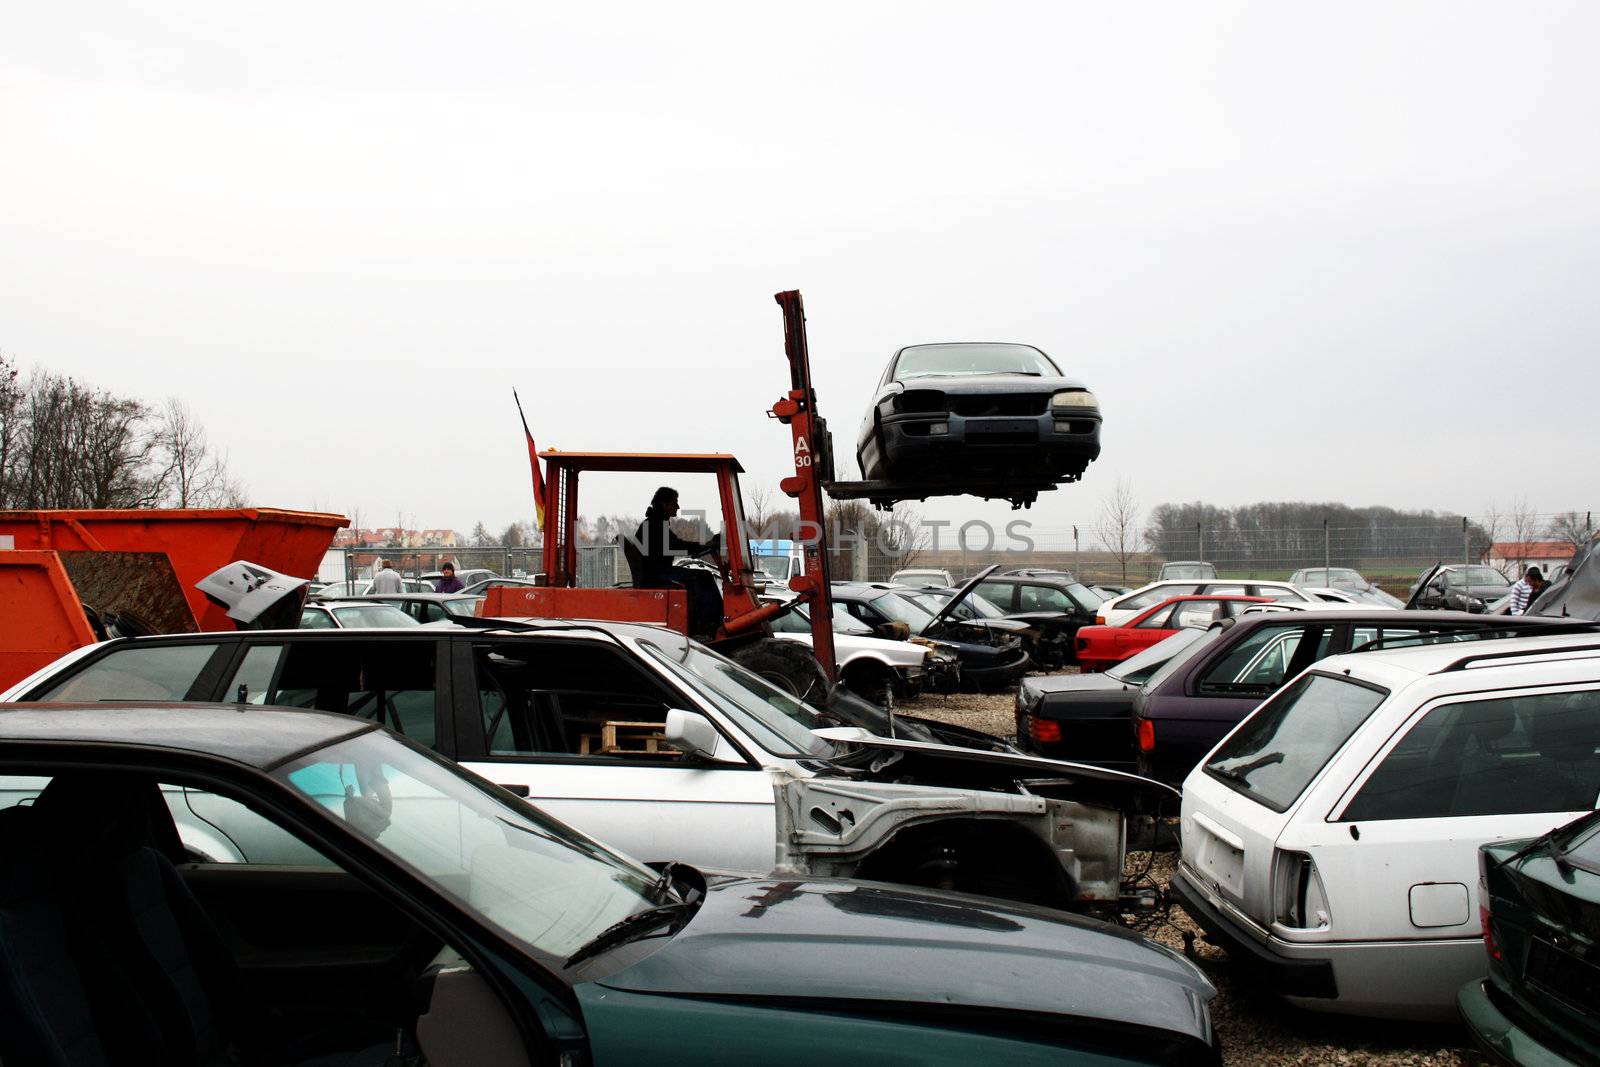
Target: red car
1100, 647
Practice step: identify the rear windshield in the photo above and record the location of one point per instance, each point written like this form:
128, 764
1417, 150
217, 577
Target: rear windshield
1274, 755
1202, 641
1137, 669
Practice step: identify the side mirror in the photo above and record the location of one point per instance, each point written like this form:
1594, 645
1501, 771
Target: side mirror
690, 732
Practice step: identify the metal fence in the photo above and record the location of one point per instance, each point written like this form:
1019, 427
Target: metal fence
1393, 557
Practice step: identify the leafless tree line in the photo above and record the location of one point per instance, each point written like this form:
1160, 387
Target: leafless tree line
68, 444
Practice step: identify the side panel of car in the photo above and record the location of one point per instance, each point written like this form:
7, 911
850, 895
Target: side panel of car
578, 726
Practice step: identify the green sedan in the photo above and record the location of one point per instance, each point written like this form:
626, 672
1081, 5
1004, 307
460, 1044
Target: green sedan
1540, 903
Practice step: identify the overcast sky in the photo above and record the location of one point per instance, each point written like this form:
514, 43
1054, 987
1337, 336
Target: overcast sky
1301, 251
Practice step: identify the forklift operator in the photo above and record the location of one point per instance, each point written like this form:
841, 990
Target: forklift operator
659, 546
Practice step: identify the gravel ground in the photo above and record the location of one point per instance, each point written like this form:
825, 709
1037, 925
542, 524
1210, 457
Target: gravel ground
1254, 1026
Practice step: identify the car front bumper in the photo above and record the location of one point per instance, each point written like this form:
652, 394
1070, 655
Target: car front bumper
1502, 1037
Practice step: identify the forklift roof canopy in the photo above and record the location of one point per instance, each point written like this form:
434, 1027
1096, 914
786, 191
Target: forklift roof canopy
709, 462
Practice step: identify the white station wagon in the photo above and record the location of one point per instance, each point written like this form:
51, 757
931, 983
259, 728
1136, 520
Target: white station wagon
1330, 842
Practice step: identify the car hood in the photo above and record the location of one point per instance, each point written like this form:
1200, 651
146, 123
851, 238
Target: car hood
1016, 765
810, 941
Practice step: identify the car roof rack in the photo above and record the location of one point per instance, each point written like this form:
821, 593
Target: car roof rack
1508, 629
1461, 664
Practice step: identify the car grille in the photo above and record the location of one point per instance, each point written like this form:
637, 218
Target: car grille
914, 401
999, 404
1563, 975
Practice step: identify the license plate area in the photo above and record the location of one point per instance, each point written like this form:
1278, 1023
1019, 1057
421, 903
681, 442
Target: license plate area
1219, 857
1563, 975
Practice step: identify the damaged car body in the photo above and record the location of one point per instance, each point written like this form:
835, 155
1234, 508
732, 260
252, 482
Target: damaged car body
667, 750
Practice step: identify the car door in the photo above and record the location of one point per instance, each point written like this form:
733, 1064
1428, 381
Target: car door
577, 723
1398, 850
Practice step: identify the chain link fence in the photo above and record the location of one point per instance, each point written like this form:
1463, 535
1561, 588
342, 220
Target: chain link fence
598, 565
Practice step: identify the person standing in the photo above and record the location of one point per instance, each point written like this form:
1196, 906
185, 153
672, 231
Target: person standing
448, 582
386, 581
1527, 590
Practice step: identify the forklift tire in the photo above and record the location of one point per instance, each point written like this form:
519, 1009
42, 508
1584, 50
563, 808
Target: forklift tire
787, 665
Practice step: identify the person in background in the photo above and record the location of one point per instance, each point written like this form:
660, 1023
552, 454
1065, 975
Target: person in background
1527, 590
448, 582
387, 580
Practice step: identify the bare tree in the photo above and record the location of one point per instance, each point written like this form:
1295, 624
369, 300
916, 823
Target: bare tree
10, 426
757, 510
1569, 526
1519, 524
481, 537
1117, 526
514, 536
193, 475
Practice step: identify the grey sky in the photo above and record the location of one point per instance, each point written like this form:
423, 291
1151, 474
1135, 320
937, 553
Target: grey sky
1301, 251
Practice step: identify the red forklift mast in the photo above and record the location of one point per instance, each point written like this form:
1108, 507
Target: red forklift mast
813, 465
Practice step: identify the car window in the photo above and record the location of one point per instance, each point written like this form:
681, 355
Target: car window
316, 619
790, 622
999, 594
1276, 752
1201, 613
1157, 620
391, 682
570, 698
1361, 635
140, 672
1152, 597
1508, 756
372, 615
1260, 662
1213, 589
1272, 592
1043, 598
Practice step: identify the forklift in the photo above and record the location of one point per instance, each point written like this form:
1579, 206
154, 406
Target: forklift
744, 632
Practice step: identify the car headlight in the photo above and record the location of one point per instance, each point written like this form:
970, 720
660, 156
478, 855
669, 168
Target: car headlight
1080, 398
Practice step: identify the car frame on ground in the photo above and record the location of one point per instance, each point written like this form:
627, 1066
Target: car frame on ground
1117, 610
652, 742
441, 919
1538, 899
991, 413
1330, 842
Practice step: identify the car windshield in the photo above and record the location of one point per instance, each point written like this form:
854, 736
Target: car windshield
1377, 596
843, 622
1274, 755
466, 605
1465, 576
1582, 842
925, 361
901, 609
1331, 578
1188, 570
1137, 668
535, 879
775, 720
1088, 599
365, 615
774, 567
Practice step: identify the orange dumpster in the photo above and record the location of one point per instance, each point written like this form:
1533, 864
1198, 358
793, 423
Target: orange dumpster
197, 541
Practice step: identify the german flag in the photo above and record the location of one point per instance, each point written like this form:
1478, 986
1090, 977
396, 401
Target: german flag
533, 461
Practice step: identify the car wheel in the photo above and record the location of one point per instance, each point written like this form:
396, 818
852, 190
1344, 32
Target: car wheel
787, 665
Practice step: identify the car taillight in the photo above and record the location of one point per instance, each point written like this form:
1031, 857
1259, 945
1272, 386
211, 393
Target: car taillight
1147, 735
1044, 730
1099, 620
1301, 901
1488, 932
